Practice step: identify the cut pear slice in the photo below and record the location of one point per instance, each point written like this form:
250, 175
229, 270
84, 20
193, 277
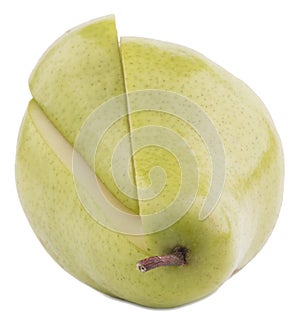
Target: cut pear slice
79, 72
73, 79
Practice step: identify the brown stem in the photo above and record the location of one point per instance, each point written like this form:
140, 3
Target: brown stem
176, 258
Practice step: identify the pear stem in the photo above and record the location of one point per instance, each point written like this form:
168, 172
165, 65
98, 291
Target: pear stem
176, 258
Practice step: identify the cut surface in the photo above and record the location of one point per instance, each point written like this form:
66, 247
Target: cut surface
100, 203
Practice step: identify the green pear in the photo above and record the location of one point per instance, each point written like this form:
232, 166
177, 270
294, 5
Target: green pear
146, 156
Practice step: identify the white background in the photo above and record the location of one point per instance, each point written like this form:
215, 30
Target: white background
258, 41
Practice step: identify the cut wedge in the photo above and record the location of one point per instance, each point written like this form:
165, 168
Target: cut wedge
78, 73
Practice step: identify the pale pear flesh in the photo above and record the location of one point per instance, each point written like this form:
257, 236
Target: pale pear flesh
67, 89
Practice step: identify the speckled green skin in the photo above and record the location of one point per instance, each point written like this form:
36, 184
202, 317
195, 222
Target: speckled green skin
105, 260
